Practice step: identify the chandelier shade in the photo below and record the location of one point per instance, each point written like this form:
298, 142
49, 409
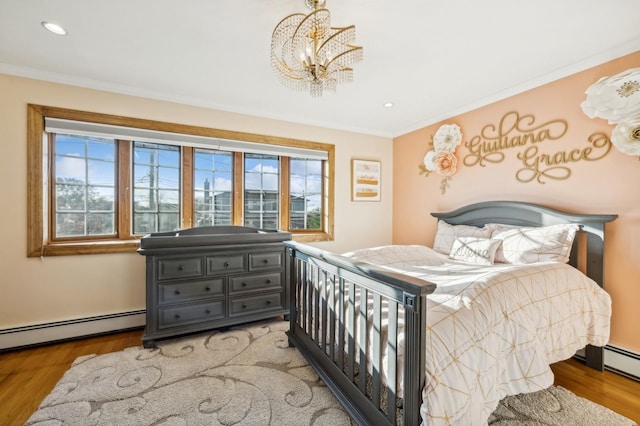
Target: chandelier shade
308, 54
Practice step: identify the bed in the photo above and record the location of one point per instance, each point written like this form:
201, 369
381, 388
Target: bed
438, 335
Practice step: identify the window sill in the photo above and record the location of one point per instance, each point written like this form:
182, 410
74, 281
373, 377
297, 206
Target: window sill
130, 246
87, 247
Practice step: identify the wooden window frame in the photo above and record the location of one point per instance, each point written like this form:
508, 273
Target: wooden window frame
39, 204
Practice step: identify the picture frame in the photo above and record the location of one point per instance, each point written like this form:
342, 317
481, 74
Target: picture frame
365, 180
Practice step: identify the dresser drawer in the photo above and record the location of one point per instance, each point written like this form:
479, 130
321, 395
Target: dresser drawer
190, 314
217, 265
187, 267
256, 304
193, 290
258, 261
246, 283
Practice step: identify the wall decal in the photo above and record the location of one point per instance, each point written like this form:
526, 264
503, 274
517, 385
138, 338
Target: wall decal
442, 158
617, 100
531, 140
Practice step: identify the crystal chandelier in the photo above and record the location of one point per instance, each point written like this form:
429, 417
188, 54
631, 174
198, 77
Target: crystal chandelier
308, 54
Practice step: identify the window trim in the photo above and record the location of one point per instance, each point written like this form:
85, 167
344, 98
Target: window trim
38, 203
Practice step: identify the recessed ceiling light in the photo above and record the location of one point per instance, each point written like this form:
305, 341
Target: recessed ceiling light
388, 105
54, 28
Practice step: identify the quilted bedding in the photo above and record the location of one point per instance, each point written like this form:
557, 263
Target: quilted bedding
492, 331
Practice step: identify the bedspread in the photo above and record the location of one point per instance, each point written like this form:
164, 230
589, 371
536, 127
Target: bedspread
492, 331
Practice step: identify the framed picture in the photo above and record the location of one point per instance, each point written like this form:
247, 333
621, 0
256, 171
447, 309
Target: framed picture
365, 180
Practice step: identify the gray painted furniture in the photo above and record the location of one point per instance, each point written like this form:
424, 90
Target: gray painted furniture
314, 332
209, 277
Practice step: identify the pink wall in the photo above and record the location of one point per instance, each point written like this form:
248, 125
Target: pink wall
607, 186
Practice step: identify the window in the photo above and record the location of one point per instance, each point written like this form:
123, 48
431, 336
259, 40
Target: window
305, 194
261, 190
213, 184
156, 188
97, 182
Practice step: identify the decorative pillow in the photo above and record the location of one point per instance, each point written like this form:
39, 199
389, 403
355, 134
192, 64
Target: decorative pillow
521, 244
475, 250
446, 235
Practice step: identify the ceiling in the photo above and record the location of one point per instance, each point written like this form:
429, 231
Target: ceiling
432, 59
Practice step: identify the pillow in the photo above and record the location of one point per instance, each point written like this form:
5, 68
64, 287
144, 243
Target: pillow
521, 244
475, 250
446, 235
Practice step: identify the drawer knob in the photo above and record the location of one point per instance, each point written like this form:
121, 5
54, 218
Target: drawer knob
177, 316
226, 264
244, 305
208, 311
268, 302
207, 288
180, 268
176, 292
268, 281
265, 261
244, 283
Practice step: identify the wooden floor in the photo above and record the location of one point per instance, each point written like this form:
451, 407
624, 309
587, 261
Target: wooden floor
27, 376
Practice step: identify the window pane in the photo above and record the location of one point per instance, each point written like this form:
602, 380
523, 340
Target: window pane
145, 223
101, 198
70, 197
305, 196
70, 224
156, 193
85, 176
212, 187
69, 168
100, 223
261, 195
101, 173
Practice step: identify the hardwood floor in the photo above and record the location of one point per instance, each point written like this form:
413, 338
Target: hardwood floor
27, 376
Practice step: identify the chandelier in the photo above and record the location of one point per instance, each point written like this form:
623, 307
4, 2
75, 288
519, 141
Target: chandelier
308, 54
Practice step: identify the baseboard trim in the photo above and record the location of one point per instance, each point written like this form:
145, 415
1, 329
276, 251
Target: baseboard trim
20, 337
616, 359
622, 361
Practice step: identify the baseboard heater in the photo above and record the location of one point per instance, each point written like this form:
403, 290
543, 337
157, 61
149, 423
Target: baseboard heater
616, 359
31, 335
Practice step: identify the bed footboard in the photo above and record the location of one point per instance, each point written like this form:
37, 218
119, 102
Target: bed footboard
362, 328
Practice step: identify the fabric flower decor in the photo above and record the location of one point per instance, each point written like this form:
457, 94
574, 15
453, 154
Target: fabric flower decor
441, 159
626, 136
617, 99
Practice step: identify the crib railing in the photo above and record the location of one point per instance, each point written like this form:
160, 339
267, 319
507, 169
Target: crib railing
350, 320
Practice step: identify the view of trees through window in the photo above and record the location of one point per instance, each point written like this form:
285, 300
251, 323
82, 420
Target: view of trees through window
84, 171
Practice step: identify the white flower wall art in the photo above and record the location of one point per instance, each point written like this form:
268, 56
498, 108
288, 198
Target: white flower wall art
441, 159
617, 100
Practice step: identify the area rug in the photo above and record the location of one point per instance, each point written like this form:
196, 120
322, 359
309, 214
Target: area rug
244, 376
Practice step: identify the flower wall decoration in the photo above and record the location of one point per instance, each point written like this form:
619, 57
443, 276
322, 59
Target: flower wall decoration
442, 159
617, 99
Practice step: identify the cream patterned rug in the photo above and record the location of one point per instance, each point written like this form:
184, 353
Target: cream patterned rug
245, 376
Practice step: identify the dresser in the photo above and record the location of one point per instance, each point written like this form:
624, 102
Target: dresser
209, 277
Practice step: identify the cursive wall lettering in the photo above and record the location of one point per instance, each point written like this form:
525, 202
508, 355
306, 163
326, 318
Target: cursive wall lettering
521, 132
513, 131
